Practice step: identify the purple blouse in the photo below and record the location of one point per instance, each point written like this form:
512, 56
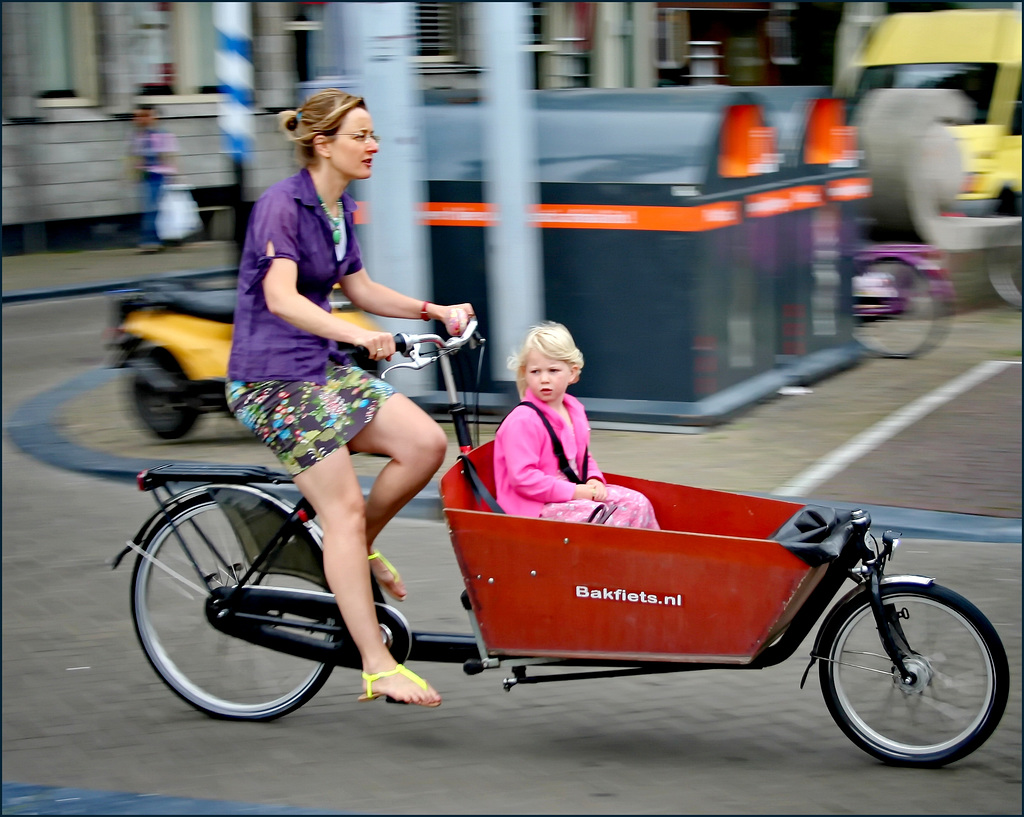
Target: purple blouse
288, 215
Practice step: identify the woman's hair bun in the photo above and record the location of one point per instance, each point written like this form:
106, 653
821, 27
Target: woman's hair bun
289, 120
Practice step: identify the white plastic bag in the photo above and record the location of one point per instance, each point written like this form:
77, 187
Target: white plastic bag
177, 215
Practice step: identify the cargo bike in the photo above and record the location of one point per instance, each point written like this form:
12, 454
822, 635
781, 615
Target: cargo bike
232, 610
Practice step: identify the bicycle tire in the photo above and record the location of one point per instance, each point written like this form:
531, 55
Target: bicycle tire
223, 676
906, 319
961, 686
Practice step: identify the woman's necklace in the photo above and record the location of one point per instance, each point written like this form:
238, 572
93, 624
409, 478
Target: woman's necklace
335, 222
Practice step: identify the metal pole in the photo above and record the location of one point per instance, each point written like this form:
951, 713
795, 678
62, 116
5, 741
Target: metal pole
515, 288
396, 243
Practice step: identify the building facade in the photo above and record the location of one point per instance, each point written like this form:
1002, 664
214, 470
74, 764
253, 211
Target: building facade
72, 72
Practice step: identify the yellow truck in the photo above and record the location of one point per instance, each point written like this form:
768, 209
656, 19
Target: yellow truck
976, 51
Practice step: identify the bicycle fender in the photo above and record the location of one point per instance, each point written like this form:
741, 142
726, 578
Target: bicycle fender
144, 530
136, 539
860, 589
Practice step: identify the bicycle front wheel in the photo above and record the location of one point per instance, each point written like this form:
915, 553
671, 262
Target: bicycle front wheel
896, 311
203, 550
960, 686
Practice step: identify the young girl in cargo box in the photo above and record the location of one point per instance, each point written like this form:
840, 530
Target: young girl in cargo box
529, 478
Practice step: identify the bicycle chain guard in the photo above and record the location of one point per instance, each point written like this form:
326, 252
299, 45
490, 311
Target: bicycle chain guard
306, 624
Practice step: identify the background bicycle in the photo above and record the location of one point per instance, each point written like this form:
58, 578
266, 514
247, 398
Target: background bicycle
903, 299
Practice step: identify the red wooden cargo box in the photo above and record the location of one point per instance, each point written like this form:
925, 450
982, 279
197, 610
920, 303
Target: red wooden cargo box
711, 586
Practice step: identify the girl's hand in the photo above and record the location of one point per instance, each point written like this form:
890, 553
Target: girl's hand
593, 489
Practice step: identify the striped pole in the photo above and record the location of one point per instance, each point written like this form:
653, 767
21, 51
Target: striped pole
235, 77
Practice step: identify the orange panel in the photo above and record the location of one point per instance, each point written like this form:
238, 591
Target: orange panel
829, 139
747, 147
592, 216
849, 189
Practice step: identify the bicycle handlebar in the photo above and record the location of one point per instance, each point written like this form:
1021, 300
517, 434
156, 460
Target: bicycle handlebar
408, 344
405, 343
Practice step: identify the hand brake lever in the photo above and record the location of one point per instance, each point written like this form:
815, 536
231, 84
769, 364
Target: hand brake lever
418, 362
409, 350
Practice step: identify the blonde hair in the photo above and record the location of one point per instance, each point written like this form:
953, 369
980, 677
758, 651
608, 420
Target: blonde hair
550, 339
321, 114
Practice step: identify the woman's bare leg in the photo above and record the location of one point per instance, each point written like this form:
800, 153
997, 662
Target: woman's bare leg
416, 446
331, 486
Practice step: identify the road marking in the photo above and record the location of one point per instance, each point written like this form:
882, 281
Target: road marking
865, 442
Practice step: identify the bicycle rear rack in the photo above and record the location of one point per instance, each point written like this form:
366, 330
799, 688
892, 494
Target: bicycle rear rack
160, 475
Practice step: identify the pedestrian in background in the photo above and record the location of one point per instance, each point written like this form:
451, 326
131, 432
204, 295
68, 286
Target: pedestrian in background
153, 153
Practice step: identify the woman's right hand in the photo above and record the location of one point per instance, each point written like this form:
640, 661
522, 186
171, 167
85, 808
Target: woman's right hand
457, 319
454, 316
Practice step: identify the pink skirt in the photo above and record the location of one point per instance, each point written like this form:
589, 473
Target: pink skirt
624, 508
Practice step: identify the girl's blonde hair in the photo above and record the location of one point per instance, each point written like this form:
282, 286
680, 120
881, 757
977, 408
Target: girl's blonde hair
551, 340
321, 114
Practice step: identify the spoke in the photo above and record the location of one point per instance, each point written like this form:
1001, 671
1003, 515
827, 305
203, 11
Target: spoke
886, 672
954, 713
173, 573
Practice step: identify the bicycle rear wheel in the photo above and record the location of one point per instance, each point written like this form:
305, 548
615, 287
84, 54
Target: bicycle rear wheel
961, 677
207, 548
896, 311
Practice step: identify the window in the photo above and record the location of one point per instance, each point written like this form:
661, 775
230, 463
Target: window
174, 48
780, 34
437, 32
196, 49
62, 38
673, 38
975, 80
321, 37
153, 47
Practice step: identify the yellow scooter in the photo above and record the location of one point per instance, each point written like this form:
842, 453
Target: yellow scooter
175, 339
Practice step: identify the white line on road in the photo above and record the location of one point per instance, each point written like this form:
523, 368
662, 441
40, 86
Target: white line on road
865, 442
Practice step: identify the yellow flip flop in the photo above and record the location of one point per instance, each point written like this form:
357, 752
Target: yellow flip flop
394, 572
398, 670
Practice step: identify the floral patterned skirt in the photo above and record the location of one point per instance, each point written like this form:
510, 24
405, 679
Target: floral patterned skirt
303, 422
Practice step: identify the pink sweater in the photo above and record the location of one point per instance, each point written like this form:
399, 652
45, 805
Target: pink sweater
526, 474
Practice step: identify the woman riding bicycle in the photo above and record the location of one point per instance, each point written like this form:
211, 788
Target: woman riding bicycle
304, 399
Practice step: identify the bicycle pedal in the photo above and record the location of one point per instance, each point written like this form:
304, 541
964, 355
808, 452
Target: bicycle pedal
390, 700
